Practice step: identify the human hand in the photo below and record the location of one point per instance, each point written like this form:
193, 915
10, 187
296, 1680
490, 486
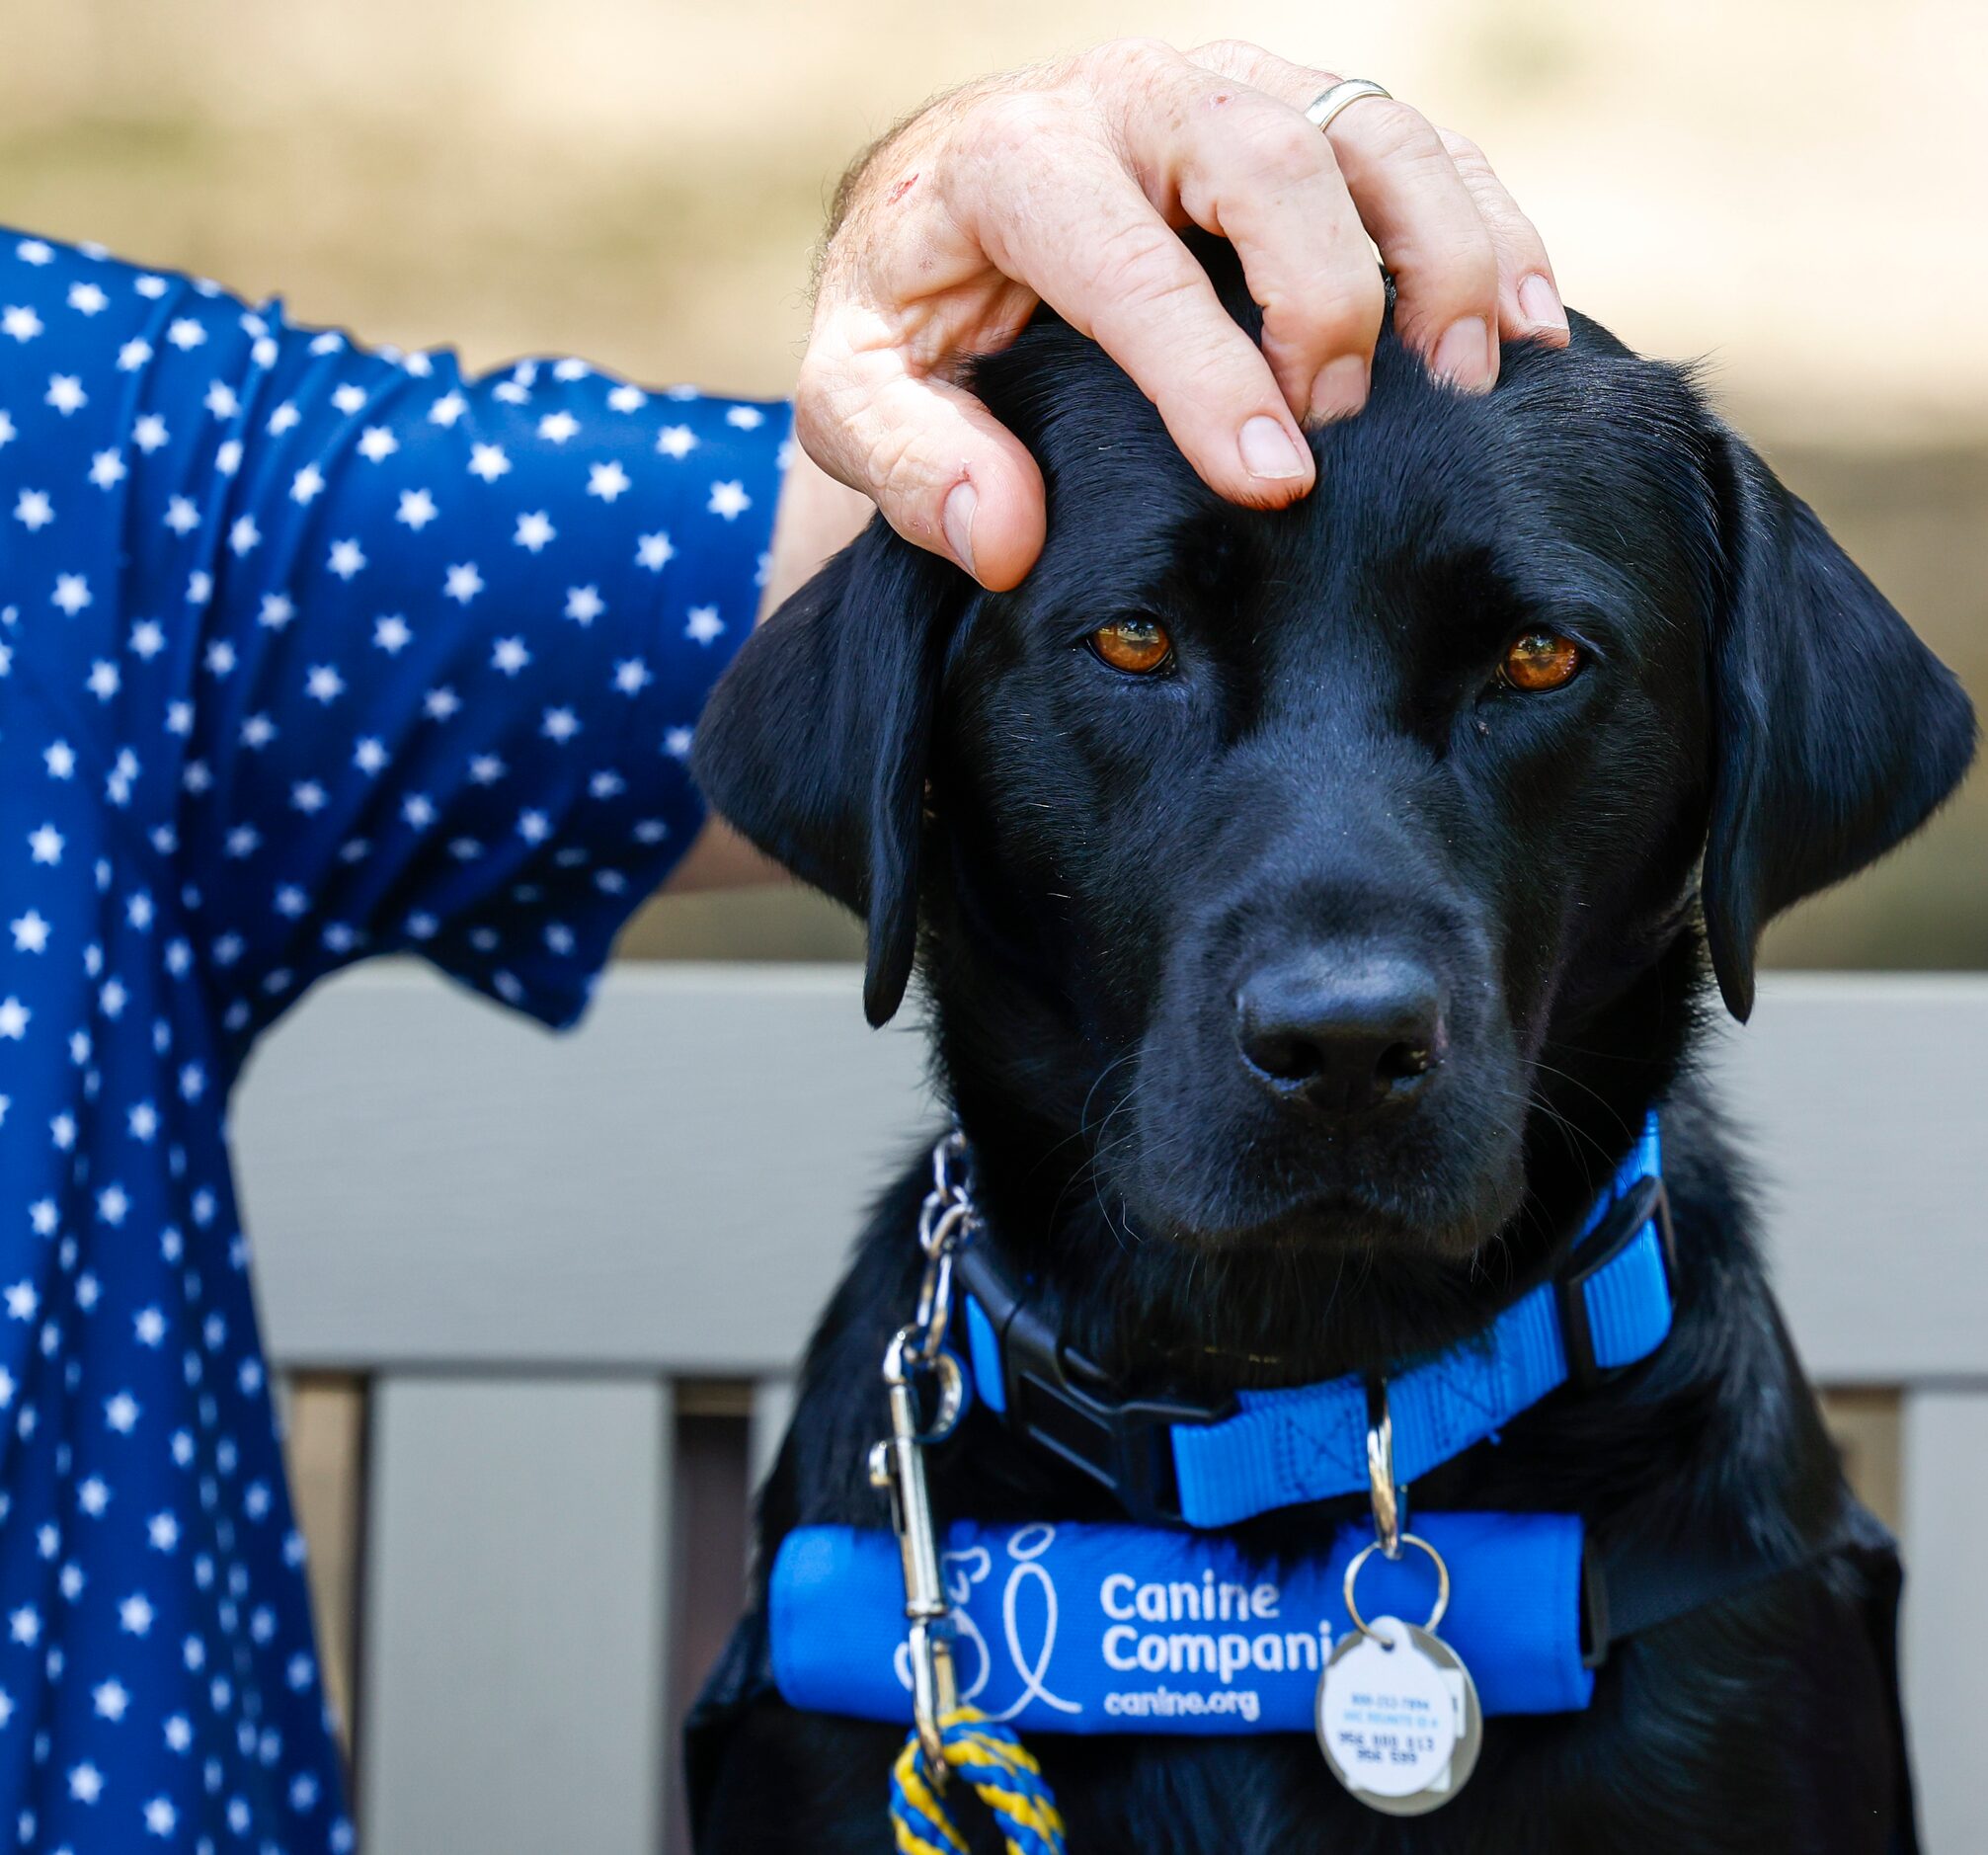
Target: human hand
1066, 184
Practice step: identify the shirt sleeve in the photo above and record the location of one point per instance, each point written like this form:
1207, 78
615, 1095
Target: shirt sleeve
374, 655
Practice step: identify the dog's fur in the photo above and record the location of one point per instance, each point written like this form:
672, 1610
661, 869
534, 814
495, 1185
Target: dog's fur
1090, 866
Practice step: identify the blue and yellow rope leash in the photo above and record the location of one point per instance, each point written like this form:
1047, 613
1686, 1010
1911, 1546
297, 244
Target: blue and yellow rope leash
1007, 1780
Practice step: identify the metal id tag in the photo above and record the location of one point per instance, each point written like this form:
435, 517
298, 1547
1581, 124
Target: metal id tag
1397, 1717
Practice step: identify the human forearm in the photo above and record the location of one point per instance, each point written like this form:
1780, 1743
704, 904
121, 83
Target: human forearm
817, 516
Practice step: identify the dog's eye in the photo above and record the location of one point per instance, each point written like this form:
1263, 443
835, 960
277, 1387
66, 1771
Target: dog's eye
1540, 659
1139, 645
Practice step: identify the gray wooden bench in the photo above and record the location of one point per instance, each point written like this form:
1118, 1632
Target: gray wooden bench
533, 1261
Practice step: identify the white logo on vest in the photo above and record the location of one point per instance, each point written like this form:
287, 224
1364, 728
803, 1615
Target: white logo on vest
962, 1571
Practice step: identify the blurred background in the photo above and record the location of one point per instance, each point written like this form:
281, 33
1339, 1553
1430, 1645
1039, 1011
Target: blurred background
1790, 190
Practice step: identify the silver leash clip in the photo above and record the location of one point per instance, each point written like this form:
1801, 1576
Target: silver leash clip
918, 1356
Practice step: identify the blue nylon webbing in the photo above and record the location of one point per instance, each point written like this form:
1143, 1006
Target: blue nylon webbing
984, 1356
1310, 1442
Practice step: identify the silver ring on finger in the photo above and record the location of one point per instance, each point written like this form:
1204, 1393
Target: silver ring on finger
1323, 108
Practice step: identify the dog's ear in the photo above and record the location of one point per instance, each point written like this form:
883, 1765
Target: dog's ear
1835, 732
814, 743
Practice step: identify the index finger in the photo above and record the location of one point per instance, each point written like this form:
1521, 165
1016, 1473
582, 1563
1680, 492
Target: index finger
1094, 248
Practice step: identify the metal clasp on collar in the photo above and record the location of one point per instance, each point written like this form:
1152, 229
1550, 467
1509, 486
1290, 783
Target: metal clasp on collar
1389, 1499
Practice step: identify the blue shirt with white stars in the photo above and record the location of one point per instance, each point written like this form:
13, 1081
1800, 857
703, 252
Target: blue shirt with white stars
306, 653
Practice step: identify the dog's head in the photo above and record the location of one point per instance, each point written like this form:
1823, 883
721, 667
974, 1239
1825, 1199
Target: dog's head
1264, 853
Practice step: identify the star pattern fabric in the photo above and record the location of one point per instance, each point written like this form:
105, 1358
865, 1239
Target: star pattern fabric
305, 653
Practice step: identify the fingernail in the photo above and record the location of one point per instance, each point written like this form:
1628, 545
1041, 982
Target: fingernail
1464, 355
1269, 450
1542, 302
961, 501
1339, 392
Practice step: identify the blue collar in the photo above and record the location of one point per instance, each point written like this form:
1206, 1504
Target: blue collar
1175, 1462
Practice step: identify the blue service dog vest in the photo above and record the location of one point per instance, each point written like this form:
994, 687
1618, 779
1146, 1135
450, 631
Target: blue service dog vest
1077, 1628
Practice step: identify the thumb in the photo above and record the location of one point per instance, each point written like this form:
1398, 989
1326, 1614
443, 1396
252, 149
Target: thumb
946, 473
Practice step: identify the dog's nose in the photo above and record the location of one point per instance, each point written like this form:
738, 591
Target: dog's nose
1341, 1033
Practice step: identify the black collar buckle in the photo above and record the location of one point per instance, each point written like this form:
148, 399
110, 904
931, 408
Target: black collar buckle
1063, 1403
1644, 1202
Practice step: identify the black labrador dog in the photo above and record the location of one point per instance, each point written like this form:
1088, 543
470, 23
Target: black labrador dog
1311, 907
